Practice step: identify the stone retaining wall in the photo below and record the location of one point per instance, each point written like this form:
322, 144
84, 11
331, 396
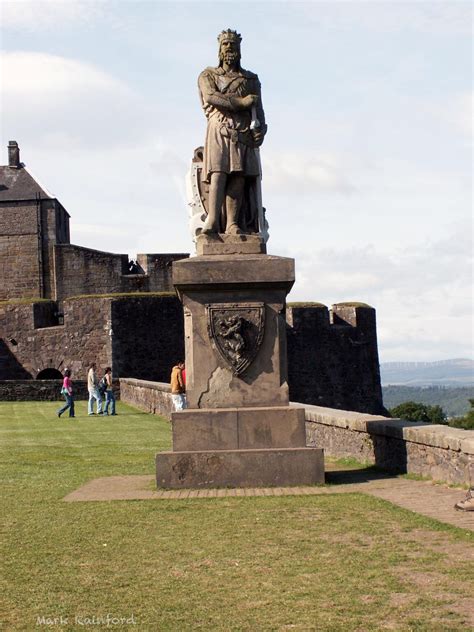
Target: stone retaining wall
435, 451
153, 397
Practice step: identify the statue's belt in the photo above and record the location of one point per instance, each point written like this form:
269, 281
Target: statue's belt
238, 136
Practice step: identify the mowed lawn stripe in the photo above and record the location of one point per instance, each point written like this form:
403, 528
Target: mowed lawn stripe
327, 562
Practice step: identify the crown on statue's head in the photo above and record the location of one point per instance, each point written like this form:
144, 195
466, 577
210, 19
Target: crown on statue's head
229, 34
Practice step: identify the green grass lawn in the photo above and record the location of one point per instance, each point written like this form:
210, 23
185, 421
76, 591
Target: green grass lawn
329, 562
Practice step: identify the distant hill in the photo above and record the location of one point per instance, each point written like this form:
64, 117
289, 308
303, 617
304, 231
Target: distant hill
457, 372
454, 401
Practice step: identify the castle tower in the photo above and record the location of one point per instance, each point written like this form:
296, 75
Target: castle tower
32, 221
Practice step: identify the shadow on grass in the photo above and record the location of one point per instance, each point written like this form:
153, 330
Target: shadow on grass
364, 475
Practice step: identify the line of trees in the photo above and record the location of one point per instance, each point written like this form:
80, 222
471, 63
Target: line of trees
415, 411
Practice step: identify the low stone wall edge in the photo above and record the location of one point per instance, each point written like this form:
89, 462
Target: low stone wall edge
436, 451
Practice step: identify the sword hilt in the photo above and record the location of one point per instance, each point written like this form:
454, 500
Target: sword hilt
254, 123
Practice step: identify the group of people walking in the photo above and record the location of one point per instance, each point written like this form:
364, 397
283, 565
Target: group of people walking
102, 390
97, 389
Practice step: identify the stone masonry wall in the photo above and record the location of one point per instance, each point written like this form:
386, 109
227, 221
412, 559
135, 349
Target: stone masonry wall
333, 357
28, 231
148, 336
82, 271
158, 267
435, 451
140, 336
82, 339
19, 251
54, 229
152, 397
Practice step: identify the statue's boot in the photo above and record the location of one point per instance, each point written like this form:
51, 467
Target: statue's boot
210, 228
232, 226
233, 229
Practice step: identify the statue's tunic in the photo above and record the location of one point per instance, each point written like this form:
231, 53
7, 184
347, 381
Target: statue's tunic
229, 144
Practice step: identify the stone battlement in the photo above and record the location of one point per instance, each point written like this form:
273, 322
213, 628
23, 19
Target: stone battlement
333, 356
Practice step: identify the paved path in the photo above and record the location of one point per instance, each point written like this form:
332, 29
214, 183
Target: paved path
426, 498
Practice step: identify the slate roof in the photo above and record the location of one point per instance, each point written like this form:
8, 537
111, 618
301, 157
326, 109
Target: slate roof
19, 184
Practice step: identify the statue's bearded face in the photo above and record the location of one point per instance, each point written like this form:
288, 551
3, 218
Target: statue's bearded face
229, 51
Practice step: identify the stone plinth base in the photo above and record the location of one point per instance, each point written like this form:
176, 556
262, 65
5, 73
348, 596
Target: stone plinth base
222, 244
249, 290
240, 468
238, 428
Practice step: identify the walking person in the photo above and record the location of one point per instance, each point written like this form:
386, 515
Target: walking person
468, 503
66, 391
93, 388
109, 392
178, 388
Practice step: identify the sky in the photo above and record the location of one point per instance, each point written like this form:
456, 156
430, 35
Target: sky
367, 163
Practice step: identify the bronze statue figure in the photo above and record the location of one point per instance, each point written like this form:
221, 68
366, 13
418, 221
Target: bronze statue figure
232, 103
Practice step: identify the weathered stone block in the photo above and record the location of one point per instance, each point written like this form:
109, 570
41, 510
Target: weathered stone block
271, 428
234, 272
240, 468
222, 244
205, 429
238, 428
239, 282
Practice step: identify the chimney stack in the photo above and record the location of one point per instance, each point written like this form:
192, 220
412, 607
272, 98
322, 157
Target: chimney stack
13, 154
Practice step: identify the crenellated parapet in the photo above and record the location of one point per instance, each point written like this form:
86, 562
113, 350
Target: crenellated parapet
333, 356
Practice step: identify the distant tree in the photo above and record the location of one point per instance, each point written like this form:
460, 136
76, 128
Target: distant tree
437, 415
466, 422
414, 411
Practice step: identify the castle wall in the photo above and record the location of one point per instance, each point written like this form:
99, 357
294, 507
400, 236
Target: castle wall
148, 336
82, 271
82, 339
28, 231
19, 251
54, 230
333, 357
158, 267
136, 336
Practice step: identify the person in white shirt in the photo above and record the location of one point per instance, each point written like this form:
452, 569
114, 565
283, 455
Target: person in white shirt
93, 388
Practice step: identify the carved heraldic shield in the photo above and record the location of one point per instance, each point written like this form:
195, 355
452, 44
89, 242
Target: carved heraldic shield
237, 332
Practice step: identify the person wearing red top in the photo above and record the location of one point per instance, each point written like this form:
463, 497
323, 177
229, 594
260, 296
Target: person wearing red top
67, 393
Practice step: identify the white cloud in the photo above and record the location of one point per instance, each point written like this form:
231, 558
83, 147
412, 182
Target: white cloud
36, 15
437, 18
457, 112
49, 77
65, 101
420, 292
98, 146
305, 172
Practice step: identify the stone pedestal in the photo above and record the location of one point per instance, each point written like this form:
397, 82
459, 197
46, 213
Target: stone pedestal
238, 429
